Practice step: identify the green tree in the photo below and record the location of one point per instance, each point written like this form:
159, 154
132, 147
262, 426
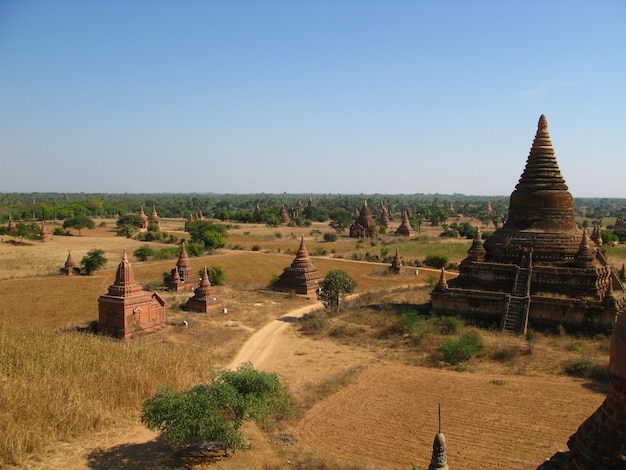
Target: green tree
128, 225
24, 230
79, 222
92, 261
340, 220
144, 252
207, 233
337, 284
215, 273
216, 410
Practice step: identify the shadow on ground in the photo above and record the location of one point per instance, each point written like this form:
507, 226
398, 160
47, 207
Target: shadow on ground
152, 455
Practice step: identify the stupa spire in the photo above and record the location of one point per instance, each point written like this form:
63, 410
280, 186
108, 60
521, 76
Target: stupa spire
439, 460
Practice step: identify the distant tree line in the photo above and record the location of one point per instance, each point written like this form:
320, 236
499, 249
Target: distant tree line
435, 209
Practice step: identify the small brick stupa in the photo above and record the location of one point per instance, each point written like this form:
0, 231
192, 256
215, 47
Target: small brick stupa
204, 299
69, 269
361, 226
284, 216
600, 442
154, 217
405, 229
301, 277
127, 310
11, 225
396, 264
539, 268
182, 274
144, 219
43, 234
383, 215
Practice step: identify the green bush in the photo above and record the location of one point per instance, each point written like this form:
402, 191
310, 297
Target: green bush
144, 252
448, 325
330, 237
461, 349
436, 261
586, 367
216, 275
255, 247
312, 322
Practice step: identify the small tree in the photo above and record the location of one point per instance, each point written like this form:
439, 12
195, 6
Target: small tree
92, 261
79, 222
216, 410
24, 230
340, 220
206, 232
144, 252
337, 284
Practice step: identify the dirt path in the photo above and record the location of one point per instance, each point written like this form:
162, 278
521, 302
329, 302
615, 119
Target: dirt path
260, 345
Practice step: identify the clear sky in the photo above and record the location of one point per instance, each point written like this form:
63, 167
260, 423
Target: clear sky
297, 96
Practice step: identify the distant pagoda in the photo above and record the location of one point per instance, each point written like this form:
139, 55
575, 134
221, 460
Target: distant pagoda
69, 269
301, 277
204, 298
396, 264
539, 268
383, 215
405, 229
364, 222
181, 275
284, 216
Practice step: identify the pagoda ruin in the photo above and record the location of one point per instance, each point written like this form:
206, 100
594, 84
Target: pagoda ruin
405, 229
181, 273
154, 218
396, 264
144, 219
127, 310
301, 277
539, 268
43, 233
204, 299
284, 216
69, 269
383, 215
364, 226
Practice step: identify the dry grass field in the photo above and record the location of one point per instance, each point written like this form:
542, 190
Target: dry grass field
71, 400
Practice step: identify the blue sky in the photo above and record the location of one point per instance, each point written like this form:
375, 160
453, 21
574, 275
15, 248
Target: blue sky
309, 96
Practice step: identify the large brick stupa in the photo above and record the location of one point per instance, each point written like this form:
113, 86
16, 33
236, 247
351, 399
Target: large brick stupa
539, 268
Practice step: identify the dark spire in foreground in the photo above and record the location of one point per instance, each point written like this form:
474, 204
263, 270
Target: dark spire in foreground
439, 460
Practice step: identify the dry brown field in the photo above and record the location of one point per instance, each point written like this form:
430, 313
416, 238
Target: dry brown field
71, 400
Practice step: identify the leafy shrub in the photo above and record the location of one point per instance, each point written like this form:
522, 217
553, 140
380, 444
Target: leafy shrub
92, 261
447, 325
59, 231
461, 349
216, 275
330, 237
144, 252
166, 253
312, 322
436, 261
194, 249
256, 248
586, 367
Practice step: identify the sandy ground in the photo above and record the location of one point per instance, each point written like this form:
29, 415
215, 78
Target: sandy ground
385, 418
